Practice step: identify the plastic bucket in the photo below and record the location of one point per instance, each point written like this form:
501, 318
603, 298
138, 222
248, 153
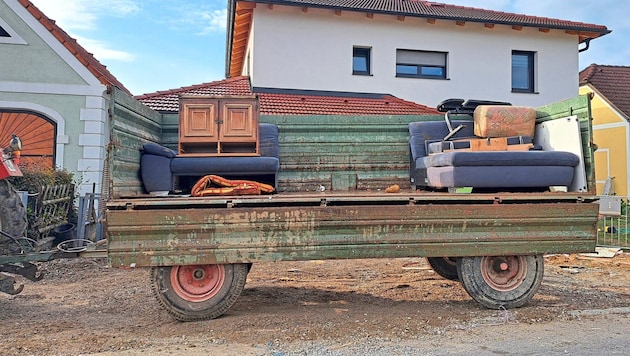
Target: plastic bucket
62, 233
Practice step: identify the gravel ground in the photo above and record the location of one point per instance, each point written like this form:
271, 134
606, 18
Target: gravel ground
376, 307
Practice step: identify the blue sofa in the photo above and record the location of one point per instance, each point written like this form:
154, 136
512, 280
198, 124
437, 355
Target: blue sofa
482, 169
161, 167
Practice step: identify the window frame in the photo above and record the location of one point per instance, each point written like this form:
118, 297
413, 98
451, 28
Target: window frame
13, 37
531, 72
362, 53
420, 67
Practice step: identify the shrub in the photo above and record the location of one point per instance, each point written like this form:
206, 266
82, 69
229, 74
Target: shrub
33, 179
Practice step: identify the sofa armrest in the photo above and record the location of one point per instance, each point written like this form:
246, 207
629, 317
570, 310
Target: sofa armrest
155, 168
269, 145
158, 150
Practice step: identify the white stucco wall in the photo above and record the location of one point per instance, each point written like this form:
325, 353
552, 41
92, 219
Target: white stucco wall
313, 50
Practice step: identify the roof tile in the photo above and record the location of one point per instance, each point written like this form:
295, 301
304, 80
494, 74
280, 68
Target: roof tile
418, 8
289, 103
613, 82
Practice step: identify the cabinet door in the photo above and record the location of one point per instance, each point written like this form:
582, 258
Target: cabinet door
199, 121
239, 123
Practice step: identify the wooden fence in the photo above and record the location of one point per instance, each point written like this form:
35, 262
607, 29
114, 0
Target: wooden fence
51, 208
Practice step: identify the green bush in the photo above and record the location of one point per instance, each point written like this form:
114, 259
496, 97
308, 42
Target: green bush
33, 179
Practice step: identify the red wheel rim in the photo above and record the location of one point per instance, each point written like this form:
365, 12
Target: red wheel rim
197, 283
504, 273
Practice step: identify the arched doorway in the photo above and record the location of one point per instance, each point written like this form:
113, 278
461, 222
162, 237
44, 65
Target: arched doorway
37, 133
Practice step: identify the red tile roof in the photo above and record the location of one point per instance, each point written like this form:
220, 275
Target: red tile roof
86, 58
613, 82
435, 10
287, 102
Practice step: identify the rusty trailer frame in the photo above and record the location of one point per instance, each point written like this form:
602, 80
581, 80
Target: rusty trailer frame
190, 231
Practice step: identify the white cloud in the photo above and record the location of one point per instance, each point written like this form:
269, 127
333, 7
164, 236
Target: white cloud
70, 15
214, 20
195, 18
101, 50
82, 14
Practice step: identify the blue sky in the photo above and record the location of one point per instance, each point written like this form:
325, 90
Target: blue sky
152, 45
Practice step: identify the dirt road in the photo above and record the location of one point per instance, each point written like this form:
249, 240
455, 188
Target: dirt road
379, 306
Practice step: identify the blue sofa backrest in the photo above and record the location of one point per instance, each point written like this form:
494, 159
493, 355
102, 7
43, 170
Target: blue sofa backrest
422, 131
269, 146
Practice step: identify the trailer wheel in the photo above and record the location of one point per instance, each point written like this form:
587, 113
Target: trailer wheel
444, 266
198, 292
501, 281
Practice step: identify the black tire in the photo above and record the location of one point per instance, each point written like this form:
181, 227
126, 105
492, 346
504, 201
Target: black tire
198, 292
12, 218
501, 281
446, 267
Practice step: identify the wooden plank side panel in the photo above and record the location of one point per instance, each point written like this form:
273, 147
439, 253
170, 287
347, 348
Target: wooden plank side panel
170, 130
343, 152
133, 125
229, 235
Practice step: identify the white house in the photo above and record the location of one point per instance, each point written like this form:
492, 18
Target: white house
416, 50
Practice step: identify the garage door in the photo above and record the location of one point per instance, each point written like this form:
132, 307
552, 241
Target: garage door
37, 134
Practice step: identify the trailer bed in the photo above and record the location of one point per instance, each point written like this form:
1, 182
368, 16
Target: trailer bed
181, 230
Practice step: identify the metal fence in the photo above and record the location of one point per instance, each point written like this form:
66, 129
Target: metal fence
612, 227
89, 219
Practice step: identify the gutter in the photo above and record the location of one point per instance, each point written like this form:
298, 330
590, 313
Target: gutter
231, 9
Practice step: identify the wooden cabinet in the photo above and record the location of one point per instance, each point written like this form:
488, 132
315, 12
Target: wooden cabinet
218, 125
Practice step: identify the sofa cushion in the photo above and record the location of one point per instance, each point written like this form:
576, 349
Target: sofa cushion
499, 177
499, 158
503, 121
199, 166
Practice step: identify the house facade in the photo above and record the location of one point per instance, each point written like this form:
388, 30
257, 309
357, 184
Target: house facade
416, 50
54, 94
609, 86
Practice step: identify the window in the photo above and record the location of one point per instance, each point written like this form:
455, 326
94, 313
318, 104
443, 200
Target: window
420, 64
361, 60
8, 35
522, 72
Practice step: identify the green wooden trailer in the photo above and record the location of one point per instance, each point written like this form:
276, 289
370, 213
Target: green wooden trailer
200, 249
